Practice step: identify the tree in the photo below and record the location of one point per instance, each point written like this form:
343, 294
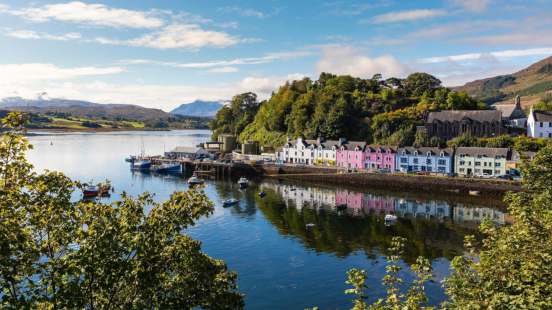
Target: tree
512, 267
417, 83
461, 101
413, 298
58, 253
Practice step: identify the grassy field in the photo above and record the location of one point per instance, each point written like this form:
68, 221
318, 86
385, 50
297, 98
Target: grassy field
84, 124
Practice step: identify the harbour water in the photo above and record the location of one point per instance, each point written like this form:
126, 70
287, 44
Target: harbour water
282, 264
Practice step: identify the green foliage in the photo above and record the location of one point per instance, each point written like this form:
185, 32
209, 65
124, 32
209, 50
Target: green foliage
512, 267
334, 106
418, 83
545, 104
58, 253
462, 101
518, 143
233, 119
413, 298
536, 88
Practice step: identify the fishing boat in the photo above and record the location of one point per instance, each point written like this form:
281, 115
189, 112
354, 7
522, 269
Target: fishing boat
167, 168
243, 182
90, 191
230, 202
130, 159
194, 180
142, 164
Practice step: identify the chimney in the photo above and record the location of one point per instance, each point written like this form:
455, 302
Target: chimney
518, 102
342, 141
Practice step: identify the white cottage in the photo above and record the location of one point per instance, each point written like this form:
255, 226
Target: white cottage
539, 124
309, 152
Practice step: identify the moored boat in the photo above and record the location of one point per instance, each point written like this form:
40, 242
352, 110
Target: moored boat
90, 191
390, 218
230, 202
142, 164
243, 182
167, 168
194, 180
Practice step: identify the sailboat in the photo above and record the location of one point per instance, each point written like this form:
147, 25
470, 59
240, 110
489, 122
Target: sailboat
141, 163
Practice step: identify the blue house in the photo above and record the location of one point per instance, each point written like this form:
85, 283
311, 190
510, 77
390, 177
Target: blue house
425, 159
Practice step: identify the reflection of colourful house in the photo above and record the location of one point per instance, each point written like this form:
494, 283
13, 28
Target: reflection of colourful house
378, 204
351, 155
379, 157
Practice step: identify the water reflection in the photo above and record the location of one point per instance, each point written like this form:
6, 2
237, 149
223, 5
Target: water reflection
433, 228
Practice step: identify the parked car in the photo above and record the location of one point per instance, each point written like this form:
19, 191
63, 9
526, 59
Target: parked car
505, 177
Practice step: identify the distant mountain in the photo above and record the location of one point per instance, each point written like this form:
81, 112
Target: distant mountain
82, 109
198, 108
531, 83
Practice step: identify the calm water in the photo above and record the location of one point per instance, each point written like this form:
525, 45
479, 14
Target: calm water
281, 264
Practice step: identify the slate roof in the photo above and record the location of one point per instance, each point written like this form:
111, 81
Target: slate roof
384, 148
542, 116
482, 151
477, 115
351, 145
424, 150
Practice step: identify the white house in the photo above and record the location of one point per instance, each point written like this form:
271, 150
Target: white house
297, 152
539, 124
309, 152
424, 159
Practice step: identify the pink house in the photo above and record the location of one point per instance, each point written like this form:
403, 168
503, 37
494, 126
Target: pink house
351, 155
379, 157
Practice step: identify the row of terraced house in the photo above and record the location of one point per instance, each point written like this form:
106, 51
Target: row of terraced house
358, 155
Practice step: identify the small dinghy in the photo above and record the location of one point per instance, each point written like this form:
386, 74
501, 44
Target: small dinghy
262, 194
230, 202
390, 218
243, 182
194, 180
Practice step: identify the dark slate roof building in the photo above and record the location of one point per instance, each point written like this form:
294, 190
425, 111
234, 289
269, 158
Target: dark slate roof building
478, 123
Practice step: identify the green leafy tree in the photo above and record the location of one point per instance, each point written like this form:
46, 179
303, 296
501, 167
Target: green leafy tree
512, 267
414, 298
56, 253
418, 83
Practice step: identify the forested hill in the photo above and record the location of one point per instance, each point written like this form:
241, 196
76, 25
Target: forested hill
373, 110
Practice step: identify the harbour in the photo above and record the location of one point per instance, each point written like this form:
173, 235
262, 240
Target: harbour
285, 255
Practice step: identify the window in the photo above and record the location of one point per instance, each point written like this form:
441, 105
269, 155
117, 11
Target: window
477, 170
415, 160
404, 160
462, 162
441, 169
497, 171
442, 162
497, 164
428, 161
540, 134
540, 124
478, 163
461, 170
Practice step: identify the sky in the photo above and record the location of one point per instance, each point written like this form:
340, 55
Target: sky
163, 53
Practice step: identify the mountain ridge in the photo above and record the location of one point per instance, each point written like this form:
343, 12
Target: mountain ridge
198, 108
531, 83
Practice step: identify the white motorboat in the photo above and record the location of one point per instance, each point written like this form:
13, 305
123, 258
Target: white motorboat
243, 182
194, 180
390, 218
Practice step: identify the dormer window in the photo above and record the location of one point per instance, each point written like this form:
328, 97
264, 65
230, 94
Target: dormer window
428, 154
442, 154
415, 153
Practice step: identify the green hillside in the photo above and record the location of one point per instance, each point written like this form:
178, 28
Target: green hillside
374, 110
532, 84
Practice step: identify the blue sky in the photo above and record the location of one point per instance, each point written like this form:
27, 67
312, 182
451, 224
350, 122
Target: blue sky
163, 53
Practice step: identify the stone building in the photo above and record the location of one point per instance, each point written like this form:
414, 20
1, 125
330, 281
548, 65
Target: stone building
512, 114
450, 124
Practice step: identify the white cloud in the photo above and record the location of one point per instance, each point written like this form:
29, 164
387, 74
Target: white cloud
4, 8
247, 12
16, 73
227, 69
93, 14
497, 54
184, 36
268, 58
407, 16
28, 80
348, 60
477, 6
33, 35
527, 37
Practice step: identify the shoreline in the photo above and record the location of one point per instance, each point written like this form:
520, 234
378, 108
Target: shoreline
102, 130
